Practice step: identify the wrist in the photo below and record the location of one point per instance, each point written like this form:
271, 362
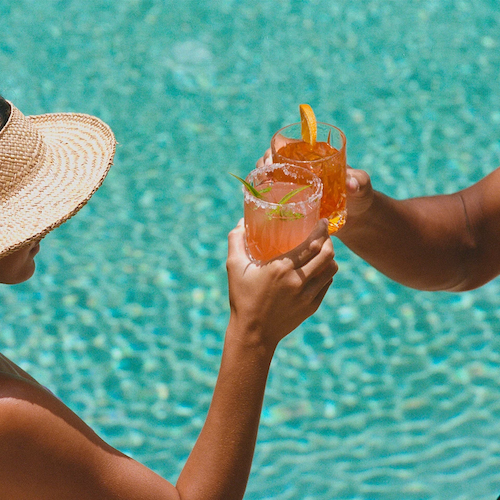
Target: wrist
250, 336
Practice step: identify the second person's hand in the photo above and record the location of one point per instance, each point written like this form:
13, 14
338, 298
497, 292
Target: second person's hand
359, 193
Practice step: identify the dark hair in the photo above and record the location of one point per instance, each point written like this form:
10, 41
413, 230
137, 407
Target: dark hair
4, 112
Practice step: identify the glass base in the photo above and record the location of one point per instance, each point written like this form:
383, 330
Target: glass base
335, 222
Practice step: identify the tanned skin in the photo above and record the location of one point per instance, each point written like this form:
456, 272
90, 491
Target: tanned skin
48, 453
445, 242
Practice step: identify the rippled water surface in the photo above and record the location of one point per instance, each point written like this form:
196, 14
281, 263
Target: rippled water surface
386, 393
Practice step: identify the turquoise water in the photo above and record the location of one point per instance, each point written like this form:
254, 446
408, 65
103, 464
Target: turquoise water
386, 393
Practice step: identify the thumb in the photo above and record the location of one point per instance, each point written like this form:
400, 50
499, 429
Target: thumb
357, 182
360, 193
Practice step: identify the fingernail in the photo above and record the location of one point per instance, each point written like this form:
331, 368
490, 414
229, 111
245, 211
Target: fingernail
353, 184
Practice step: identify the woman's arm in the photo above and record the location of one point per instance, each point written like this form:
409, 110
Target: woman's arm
447, 242
267, 303
47, 452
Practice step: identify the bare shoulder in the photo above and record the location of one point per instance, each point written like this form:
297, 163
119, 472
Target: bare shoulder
48, 452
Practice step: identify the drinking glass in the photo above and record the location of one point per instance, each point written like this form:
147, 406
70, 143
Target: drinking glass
327, 159
275, 225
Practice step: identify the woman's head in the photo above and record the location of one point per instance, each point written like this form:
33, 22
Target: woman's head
20, 265
50, 166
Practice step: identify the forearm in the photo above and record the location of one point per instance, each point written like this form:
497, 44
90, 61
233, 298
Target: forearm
219, 465
267, 303
423, 243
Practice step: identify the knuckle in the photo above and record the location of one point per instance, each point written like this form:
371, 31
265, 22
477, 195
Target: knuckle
316, 246
230, 262
335, 267
236, 230
328, 251
332, 269
297, 283
291, 282
283, 266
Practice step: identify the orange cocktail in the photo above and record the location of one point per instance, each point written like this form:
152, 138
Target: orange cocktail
276, 222
325, 156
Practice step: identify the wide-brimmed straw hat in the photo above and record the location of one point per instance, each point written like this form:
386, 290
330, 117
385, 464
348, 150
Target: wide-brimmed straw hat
50, 166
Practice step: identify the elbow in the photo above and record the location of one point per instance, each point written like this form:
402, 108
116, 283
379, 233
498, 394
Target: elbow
476, 257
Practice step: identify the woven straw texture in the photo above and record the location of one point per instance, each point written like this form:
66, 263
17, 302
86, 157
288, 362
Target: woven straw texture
50, 166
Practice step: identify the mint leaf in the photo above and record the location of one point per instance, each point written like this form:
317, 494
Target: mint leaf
248, 186
292, 193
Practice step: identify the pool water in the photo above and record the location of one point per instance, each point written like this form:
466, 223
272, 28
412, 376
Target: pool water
386, 393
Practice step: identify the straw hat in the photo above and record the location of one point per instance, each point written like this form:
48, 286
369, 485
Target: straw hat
50, 166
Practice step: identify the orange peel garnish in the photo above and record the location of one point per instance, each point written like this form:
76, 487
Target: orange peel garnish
309, 128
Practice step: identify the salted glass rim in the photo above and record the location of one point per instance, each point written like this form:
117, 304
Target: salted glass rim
317, 184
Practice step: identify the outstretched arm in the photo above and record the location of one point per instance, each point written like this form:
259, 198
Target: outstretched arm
447, 242
48, 453
267, 303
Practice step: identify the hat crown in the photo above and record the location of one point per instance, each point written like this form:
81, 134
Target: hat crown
22, 151
50, 166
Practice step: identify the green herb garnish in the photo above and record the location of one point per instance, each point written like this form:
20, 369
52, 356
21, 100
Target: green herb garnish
279, 211
256, 193
292, 193
266, 190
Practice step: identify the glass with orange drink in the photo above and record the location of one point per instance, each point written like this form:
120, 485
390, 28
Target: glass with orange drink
321, 148
281, 207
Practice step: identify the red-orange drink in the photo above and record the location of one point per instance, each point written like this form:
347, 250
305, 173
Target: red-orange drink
326, 158
274, 228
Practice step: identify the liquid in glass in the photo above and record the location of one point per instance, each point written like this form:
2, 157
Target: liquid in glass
274, 228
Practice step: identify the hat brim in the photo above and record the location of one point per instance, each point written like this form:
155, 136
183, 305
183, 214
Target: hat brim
80, 151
